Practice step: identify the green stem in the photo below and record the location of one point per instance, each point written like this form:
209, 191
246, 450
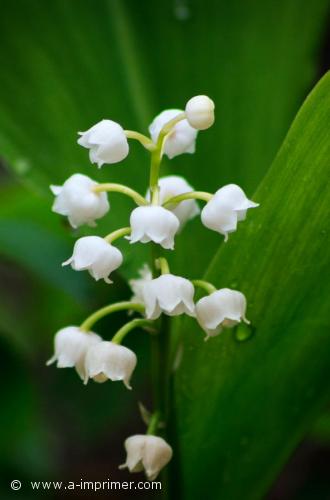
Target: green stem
154, 423
104, 311
154, 175
143, 139
167, 128
156, 157
162, 264
110, 238
124, 330
159, 343
160, 367
193, 195
159, 354
208, 287
120, 188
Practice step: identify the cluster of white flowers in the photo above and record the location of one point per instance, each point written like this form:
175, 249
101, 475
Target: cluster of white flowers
169, 203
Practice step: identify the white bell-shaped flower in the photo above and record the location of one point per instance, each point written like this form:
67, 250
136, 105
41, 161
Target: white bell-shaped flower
182, 138
106, 141
95, 255
71, 345
174, 185
110, 361
138, 283
77, 200
153, 223
221, 309
200, 112
147, 453
226, 207
168, 294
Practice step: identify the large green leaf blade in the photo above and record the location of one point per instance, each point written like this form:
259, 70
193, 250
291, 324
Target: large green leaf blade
245, 406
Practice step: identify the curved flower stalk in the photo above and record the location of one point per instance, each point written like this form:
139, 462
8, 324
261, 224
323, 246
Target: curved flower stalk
158, 294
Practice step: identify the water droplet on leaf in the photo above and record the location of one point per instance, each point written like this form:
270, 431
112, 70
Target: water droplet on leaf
243, 332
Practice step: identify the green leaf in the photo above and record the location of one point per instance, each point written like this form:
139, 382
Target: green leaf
30, 235
242, 407
320, 431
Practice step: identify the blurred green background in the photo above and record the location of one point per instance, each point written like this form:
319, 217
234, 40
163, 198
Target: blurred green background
66, 64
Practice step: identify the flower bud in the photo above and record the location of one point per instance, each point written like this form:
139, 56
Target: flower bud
227, 207
169, 294
148, 453
106, 141
221, 309
71, 346
200, 112
95, 255
77, 200
180, 140
154, 223
109, 361
174, 185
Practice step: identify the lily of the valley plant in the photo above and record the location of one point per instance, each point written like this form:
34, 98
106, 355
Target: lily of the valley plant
168, 205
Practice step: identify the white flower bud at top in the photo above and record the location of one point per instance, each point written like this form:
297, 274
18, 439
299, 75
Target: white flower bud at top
109, 361
200, 112
169, 294
137, 284
174, 185
77, 200
148, 453
227, 207
95, 255
71, 346
153, 223
221, 309
182, 138
106, 141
